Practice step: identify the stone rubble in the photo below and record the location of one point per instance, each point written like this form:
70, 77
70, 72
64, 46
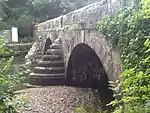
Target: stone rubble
53, 99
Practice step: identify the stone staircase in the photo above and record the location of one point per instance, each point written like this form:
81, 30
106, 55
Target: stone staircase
50, 70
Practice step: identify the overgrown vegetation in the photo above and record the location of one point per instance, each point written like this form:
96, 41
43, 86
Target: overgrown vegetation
91, 103
129, 30
9, 80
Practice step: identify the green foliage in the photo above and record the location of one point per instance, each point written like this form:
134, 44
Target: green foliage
16, 13
91, 103
129, 31
82, 109
8, 82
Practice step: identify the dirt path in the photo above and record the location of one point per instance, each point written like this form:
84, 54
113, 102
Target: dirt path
53, 99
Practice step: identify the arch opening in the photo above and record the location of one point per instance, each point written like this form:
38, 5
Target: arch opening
47, 45
86, 70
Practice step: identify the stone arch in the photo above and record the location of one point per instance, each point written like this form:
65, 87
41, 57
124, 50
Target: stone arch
47, 45
85, 69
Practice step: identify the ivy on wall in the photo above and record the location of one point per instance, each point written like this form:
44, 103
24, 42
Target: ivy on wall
129, 30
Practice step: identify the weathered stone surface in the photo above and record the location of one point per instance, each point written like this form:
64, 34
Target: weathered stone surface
22, 46
79, 27
86, 16
50, 70
47, 79
54, 52
52, 58
51, 64
110, 58
47, 70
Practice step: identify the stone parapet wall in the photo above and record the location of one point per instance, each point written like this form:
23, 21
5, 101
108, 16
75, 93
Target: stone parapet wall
24, 47
88, 15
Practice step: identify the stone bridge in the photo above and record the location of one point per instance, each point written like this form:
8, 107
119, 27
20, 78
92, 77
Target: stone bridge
87, 55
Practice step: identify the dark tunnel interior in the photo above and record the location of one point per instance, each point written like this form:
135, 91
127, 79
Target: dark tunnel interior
47, 45
86, 70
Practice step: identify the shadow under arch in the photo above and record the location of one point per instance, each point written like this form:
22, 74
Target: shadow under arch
47, 45
86, 70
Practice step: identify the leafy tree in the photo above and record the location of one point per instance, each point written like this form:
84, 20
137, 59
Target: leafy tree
20, 12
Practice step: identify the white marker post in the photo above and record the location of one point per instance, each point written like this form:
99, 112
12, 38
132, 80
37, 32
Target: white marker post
14, 34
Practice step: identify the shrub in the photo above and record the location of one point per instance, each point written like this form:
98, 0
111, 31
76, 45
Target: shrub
8, 82
128, 30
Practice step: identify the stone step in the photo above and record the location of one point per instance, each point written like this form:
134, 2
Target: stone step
40, 53
52, 58
49, 70
46, 81
47, 75
55, 46
38, 59
54, 52
39, 56
51, 64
